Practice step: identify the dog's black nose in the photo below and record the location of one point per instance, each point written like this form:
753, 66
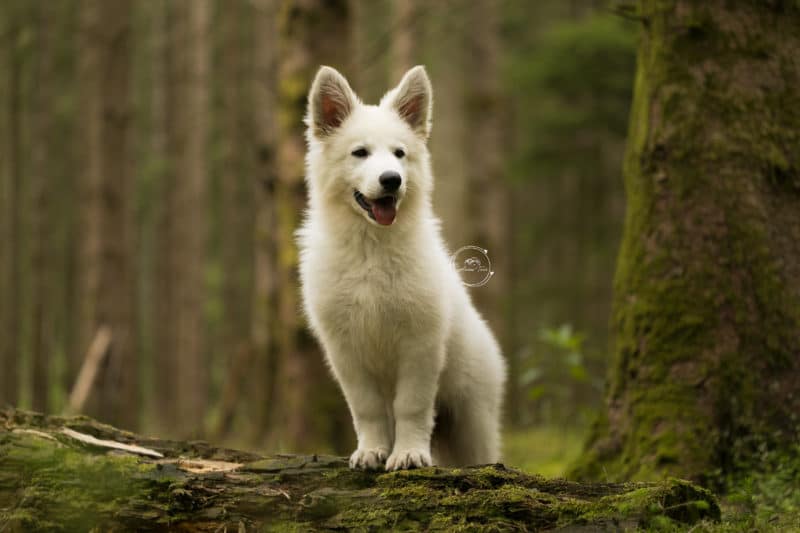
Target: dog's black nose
390, 180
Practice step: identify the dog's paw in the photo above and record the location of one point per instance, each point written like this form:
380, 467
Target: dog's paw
368, 459
411, 458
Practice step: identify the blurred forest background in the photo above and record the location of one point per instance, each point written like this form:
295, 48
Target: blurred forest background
151, 181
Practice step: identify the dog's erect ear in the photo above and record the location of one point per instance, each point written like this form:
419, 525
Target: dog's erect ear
330, 101
413, 100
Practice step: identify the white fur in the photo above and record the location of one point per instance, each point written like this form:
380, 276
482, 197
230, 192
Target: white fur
397, 325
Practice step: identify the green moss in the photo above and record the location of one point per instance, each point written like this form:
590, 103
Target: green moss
72, 485
677, 502
51, 485
705, 310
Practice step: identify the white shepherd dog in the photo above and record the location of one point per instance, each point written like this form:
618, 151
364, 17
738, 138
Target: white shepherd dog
420, 369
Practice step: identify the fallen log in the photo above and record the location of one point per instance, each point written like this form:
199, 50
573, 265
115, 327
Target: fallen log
75, 474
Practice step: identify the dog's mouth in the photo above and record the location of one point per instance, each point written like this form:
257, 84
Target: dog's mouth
382, 210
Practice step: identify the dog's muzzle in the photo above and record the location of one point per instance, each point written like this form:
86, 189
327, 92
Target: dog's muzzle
382, 210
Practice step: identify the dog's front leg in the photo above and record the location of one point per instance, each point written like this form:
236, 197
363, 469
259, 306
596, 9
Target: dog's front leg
413, 406
370, 418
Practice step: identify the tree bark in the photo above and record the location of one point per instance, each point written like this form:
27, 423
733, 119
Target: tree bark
184, 231
488, 209
405, 50
73, 474
448, 142
11, 217
309, 31
43, 182
260, 385
164, 359
707, 292
106, 291
234, 164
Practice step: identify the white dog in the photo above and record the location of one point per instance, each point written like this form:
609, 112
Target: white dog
421, 371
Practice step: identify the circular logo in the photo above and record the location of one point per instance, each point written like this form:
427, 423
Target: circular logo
473, 265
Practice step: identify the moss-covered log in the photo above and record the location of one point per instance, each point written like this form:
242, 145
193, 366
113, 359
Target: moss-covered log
61, 474
707, 292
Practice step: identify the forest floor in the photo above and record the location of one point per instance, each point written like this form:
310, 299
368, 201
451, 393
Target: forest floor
759, 502
544, 450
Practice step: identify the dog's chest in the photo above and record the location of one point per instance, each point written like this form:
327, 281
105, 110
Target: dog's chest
374, 303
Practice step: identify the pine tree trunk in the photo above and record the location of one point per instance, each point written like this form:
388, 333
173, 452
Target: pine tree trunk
233, 29
12, 185
184, 229
448, 142
106, 290
489, 207
405, 50
312, 409
162, 301
55, 477
707, 292
42, 184
229, 68
260, 385
367, 67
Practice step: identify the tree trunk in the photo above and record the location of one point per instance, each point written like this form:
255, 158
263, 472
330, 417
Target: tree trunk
236, 166
164, 359
707, 293
488, 209
450, 126
107, 289
312, 409
235, 110
405, 51
372, 33
260, 384
43, 182
184, 389
73, 474
11, 216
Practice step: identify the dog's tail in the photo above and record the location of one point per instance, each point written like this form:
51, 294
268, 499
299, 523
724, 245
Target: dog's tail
465, 435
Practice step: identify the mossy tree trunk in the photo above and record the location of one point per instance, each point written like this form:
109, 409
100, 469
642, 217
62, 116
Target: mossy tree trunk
707, 292
55, 477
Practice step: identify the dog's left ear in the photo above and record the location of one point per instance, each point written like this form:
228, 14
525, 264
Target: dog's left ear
330, 102
413, 100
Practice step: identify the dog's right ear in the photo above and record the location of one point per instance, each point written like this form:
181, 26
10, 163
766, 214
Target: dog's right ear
330, 102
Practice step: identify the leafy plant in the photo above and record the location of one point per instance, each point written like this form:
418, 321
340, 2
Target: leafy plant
555, 376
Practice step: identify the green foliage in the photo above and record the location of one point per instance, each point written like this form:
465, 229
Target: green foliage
569, 78
577, 82
555, 374
570, 343
764, 499
762, 495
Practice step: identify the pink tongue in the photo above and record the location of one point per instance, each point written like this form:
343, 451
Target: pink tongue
384, 211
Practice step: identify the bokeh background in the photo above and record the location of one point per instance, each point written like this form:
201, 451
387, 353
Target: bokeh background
151, 180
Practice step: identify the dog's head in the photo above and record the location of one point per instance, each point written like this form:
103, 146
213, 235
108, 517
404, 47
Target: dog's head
372, 158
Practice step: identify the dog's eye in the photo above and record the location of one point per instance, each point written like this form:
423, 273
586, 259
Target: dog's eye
361, 152
399, 153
